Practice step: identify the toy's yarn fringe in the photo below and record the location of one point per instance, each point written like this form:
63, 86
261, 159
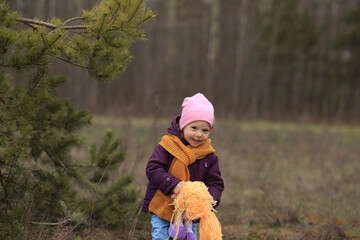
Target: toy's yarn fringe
194, 202
177, 220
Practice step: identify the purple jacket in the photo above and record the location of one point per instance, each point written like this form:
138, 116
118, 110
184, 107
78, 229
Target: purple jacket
205, 170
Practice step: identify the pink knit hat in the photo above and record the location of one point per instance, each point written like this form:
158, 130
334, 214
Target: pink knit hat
196, 108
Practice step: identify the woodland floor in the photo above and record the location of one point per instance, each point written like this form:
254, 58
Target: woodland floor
282, 180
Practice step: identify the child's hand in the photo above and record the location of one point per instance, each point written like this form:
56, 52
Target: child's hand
177, 189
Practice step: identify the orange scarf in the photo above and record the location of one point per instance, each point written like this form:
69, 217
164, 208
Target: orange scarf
183, 156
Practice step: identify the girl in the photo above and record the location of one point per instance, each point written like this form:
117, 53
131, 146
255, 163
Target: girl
185, 154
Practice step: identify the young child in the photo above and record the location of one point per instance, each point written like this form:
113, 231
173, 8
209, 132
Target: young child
185, 154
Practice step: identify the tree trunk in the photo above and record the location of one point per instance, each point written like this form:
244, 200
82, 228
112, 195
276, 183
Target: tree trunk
268, 72
339, 112
242, 20
298, 77
213, 45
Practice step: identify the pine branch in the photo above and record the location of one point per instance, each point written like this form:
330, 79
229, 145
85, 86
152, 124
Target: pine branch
2, 100
72, 63
28, 24
72, 19
145, 20
7, 198
36, 22
93, 202
112, 45
4, 46
75, 27
102, 23
52, 224
134, 13
57, 162
50, 25
40, 76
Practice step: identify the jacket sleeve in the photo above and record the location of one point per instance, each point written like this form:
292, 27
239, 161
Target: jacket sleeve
214, 181
157, 170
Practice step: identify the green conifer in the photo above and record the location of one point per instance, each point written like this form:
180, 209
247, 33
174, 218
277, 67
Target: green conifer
38, 129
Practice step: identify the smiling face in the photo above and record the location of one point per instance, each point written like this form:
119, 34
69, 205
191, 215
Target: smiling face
197, 133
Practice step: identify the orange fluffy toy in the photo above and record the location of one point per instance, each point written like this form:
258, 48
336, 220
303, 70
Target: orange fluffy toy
195, 202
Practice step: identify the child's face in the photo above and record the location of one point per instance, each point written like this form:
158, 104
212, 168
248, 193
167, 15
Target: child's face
197, 133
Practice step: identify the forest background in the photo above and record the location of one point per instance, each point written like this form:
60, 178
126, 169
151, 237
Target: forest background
255, 60
262, 59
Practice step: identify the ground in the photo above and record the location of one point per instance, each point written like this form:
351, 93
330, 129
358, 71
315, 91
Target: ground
282, 180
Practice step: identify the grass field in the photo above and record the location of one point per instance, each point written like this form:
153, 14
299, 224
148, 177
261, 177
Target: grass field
282, 180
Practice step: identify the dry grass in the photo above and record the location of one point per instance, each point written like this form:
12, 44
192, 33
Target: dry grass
283, 180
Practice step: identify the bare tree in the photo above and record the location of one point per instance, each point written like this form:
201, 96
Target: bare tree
241, 39
213, 41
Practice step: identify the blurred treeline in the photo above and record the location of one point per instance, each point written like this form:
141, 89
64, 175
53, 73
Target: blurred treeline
254, 59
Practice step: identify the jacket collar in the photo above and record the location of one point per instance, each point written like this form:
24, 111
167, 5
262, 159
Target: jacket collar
174, 129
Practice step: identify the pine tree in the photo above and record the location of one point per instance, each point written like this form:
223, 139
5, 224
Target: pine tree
38, 129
